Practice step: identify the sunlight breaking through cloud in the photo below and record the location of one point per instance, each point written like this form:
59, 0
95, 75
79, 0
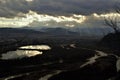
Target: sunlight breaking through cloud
33, 19
33, 16
107, 15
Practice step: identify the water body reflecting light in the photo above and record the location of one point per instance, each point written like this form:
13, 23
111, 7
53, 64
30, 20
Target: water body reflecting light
25, 53
20, 54
40, 47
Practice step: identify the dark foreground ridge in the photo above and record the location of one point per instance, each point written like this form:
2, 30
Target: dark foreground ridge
68, 60
112, 41
75, 62
102, 69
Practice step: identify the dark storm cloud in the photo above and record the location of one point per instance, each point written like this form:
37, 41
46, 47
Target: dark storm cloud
56, 7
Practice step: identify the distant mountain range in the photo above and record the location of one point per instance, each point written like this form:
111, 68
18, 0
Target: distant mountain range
58, 31
83, 31
53, 31
17, 30
49, 31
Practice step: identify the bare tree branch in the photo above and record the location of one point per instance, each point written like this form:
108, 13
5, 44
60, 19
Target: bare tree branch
117, 8
113, 20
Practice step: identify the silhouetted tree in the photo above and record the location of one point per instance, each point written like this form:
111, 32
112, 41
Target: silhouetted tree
113, 20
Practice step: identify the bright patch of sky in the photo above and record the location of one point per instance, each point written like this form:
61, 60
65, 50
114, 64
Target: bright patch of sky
32, 16
33, 19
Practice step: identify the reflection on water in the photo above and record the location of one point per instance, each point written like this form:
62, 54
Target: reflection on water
19, 54
40, 47
118, 64
15, 76
73, 45
93, 59
46, 77
50, 75
25, 53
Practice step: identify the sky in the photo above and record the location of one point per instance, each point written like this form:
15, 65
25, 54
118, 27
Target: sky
56, 13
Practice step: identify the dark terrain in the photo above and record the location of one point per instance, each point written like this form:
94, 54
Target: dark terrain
63, 57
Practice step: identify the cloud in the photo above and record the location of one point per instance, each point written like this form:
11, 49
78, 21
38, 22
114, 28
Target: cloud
33, 19
11, 8
54, 13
